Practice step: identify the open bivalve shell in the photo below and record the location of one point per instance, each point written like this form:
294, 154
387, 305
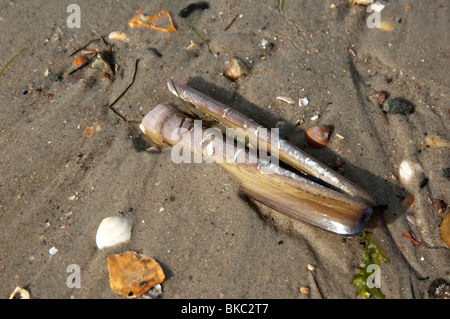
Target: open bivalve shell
113, 230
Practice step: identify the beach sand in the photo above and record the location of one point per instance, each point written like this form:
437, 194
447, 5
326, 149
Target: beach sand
57, 183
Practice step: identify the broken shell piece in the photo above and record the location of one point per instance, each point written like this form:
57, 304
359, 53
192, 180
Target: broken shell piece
194, 48
303, 101
20, 293
113, 230
377, 7
304, 290
318, 136
155, 292
237, 68
79, 61
161, 21
440, 204
445, 229
285, 99
362, 2
132, 274
118, 35
408, 170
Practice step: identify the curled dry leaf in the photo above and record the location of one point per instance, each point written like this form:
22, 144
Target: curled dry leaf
445, 229
161, 21
132, 274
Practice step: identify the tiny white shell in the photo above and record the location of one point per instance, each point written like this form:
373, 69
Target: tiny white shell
53, 250
117, 35
113, 230
20, 293
303, 101
409, 170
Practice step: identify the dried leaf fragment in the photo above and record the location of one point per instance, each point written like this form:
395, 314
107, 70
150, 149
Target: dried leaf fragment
411, 238
132, 274
161, 21
445, 229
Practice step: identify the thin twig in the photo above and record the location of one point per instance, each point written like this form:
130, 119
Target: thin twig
232, 21
84, 47
202, 38
125, 91
317, 285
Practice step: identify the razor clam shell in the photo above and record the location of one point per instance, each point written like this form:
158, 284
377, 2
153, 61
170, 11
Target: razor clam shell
278, 188
113, 230
287, 152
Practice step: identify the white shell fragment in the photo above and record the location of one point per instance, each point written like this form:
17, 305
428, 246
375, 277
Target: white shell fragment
362, 2
285, 99
20, 293
237, 68
53, 250
113, 230
118, 35
303, 101
264, 43
409, 170
377, 7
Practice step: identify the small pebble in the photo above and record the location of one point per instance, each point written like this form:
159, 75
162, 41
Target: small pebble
237, 68
304, 290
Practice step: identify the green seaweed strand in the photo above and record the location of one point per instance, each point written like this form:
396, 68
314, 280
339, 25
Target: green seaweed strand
202, 38
374, 254
1, 72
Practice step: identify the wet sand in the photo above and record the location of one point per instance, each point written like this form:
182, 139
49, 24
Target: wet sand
57, 184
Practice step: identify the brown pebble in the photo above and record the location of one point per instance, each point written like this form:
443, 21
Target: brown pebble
304, 290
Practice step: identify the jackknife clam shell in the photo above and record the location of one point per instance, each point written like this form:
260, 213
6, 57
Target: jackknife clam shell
113, 230
319, 136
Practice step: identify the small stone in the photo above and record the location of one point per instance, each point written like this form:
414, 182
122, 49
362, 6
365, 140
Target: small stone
304, 290
397, 106
237, 68
311, 267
